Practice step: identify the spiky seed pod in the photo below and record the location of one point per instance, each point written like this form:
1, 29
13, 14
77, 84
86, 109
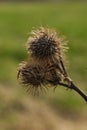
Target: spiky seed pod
53, 76
46, 54
36, 78
45, 47
44, 44
32, 76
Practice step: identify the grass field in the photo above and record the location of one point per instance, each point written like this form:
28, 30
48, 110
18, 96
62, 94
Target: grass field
16, 22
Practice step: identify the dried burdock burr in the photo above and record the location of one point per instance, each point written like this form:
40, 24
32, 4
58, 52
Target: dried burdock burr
32, 77
47, 50
44, 45
35, 77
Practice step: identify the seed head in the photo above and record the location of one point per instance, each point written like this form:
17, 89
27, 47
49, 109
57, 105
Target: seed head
46, 51
36, 77
44, 44
31, 76
53, 76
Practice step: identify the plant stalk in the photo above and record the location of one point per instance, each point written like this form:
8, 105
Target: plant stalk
75, 88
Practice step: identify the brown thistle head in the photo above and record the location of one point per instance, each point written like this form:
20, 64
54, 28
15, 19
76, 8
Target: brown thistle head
45, 46
46, 52
53, 75
36, 77
31, 76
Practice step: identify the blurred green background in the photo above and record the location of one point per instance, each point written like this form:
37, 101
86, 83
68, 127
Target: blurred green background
61, 109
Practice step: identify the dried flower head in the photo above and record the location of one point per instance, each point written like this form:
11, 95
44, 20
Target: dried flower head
32, 76
46, 51
46, 54
53, 76
36, 77
44, 44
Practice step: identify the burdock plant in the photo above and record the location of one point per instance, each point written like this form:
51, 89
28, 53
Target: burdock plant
47, 51
32, 76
